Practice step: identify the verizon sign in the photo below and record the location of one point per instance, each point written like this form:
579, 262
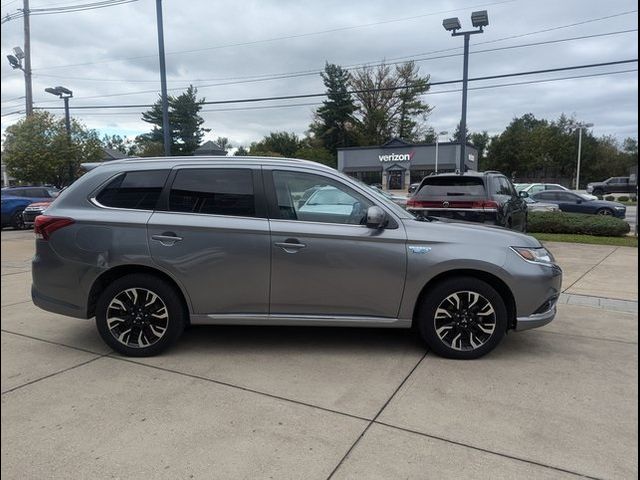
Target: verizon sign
396, 157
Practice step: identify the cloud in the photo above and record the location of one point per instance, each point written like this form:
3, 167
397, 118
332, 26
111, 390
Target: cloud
118, 47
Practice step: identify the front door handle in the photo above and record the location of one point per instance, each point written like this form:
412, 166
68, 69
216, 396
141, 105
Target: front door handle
168, 239
290, 245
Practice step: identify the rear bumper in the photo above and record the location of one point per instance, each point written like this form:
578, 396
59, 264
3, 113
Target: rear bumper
56, 306
478, 215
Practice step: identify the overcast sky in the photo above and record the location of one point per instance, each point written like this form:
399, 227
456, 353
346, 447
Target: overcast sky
107, 56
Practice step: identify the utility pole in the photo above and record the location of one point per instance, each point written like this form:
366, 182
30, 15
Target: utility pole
579, 127
163, 82
27, 59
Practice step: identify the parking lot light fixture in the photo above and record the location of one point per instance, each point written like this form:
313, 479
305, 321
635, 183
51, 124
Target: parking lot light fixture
65, 94
579, 127
479, 20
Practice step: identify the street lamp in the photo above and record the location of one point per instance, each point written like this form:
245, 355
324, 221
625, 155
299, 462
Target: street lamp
65, 94
479, 20
579, 127
18, 61
437, 141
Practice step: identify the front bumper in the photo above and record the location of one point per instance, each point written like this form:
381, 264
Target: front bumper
537, 319
29, 216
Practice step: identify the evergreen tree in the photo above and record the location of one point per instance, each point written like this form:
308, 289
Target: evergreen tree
334, 119
185, 121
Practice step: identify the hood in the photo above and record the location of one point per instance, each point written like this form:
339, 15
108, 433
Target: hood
445, 230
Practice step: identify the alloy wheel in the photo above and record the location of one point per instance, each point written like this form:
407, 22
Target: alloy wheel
137, 317
465, 320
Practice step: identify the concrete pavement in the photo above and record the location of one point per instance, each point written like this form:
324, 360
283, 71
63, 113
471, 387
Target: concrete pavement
245, 402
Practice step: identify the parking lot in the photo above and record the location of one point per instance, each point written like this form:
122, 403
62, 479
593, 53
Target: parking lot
317, 403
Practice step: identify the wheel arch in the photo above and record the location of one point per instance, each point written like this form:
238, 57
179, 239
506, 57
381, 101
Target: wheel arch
114, 273
494, 281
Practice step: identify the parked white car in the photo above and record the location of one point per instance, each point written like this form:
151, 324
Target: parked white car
532, 188
533, 206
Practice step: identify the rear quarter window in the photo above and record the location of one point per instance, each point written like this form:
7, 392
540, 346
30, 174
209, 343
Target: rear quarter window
134, 190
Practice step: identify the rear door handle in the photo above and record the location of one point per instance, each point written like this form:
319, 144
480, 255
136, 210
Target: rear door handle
167, 239
290, 245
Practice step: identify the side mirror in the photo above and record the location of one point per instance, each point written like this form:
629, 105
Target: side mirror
376, 218
523, 194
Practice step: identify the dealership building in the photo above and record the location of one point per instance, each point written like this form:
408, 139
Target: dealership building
397, 164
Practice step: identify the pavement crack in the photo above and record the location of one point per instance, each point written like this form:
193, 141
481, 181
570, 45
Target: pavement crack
485, 450
374, 420
98, 357
591, 269
238, 387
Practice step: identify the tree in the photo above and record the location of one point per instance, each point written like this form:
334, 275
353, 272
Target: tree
123, 145
333, 125
186, 124
224, 143
389, 103
37, 149
279, 144
316, 154
480, 140
413, 111
241, 152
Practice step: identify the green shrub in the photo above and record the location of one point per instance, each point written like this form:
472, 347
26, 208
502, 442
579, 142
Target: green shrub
577, 223
610, 198
623, 198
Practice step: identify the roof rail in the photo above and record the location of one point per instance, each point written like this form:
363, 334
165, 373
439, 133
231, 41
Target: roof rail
492, 171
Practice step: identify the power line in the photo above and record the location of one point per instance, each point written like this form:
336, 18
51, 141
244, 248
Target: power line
12, 113
284, 75
312, 95
628, 12
289, 105
66, 9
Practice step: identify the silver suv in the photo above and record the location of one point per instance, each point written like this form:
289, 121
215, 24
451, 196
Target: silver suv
149, 246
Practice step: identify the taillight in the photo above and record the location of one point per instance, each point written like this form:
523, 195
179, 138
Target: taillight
486, 205
45, 225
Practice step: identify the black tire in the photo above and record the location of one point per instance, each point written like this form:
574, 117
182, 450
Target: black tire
605, 211
439, 295
597, 192
146, 320
17, 221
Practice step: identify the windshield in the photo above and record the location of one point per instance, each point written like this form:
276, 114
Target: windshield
521, 186
586, 197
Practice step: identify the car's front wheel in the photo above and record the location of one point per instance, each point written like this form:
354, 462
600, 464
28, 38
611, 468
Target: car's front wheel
605, 211
463, 318
140, 315
17, 221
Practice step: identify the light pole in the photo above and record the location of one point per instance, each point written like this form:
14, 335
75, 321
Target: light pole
65, 94
16, 61
579, 127
479, 20
163, 82
437, 141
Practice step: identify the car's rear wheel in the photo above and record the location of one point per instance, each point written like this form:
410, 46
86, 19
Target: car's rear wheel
140, 315
17, 221
605, 211
463, 318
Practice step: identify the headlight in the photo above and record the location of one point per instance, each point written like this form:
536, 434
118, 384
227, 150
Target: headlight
535, 255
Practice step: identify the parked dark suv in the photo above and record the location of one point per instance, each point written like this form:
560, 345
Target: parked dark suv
483, 197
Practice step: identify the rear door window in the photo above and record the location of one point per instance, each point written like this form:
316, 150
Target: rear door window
213, 191
134, 190
458, 186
